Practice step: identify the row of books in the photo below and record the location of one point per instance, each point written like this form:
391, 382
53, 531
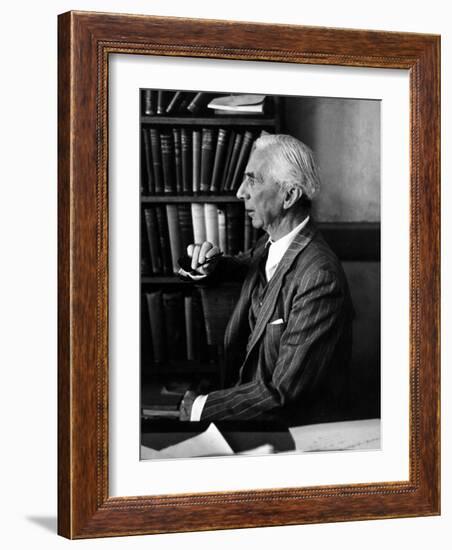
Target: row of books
175, 329
187, 161
167, 102
162, 102
167, 230
179, 327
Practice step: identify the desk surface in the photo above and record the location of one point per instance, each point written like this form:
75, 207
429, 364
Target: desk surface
161, 440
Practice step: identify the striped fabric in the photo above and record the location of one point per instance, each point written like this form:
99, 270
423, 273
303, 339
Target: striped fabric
293, 370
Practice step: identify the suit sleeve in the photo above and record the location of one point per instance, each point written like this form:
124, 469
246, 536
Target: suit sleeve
306, 347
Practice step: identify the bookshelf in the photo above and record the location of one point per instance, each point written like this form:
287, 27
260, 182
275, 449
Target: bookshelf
182, 322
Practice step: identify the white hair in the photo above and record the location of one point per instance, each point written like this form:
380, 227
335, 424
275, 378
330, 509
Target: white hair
291, 163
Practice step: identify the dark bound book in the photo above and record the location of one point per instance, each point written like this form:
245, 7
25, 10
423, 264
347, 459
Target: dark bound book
156, 160
207, 154
165, 250
153, 239
173, 305
149, 102
234, 221
145, 258
148, 186
167, 145
186, 100
187, 158
161, 102
174, 235
227, 161
199, 102
178, 161
195, 329
199, 328
219, 162
185, 225
147, 357
242, 161
196, 173
157, 324
233, 161
174, 103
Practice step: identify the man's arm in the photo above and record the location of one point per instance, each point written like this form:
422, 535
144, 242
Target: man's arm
306, 346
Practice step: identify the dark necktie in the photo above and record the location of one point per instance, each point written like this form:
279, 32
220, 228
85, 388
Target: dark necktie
262, 262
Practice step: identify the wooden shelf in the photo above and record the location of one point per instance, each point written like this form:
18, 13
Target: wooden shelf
164, 280
180, 367
164, 199
219, 121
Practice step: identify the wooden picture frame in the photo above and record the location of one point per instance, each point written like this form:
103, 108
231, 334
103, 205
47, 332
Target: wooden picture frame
86, 40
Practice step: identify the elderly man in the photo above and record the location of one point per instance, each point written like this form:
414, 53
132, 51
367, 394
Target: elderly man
288, 342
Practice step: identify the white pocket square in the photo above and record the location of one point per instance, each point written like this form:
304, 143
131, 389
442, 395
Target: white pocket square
277, 322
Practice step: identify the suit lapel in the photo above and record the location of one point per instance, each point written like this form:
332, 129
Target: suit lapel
300, 242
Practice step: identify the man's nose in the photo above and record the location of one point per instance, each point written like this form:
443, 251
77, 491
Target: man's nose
241, 191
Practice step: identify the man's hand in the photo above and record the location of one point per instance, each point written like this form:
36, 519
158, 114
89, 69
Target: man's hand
201, 257
186, 405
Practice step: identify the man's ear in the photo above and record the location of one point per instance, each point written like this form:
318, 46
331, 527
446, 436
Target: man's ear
292, 195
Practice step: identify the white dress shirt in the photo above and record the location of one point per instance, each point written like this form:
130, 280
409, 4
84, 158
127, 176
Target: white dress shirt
275, 253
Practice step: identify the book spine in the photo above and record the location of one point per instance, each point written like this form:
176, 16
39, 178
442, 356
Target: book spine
164, 240
178, 161
174, 103
188, 310
206, 160
211, 217
227, 162
186, 100
156, 160
186, 226
198, 220
174, 235
153, 238
173, 306
198, 102
145, 260
196, 160
147, 353
149, 102
155, 312
218, 165
199, 329
149, 187
233, 162
187, 156
234, 220
166, 140
222, 230
242, 161
161, 102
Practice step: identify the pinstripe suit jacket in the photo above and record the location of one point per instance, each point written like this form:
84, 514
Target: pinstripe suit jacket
293, 371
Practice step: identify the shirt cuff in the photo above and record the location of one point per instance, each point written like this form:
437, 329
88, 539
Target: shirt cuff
197, 408
187, 274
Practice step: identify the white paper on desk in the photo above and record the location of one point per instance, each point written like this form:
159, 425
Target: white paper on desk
338, 436
208, 443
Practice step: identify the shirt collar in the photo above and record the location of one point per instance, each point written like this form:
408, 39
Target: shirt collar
278, 248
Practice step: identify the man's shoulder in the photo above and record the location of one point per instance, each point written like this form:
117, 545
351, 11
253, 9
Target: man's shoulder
319, 255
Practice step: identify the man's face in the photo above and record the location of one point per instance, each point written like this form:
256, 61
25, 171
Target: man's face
262, 196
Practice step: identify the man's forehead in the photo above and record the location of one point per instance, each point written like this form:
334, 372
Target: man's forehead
257, 161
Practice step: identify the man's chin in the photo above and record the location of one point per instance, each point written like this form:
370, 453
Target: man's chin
256, 223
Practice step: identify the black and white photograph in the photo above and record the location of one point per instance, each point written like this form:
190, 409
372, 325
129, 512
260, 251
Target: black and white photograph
259, 273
